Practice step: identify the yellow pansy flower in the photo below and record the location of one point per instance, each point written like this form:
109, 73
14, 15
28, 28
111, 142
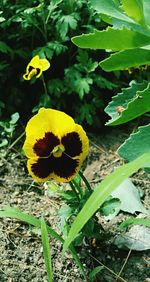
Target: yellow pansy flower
36, 67
55, 146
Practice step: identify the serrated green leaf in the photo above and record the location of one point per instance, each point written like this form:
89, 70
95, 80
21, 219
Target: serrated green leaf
131, 107
134, 9
64, 23
82, 86
112, 39
109, 8
126, 59
101, 193
137, 144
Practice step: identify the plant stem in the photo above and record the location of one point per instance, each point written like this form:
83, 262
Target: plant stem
44, 85
78, 187
74, 190
85, 181
19, 137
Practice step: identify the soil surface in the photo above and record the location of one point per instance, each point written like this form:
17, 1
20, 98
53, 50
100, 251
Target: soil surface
21, 256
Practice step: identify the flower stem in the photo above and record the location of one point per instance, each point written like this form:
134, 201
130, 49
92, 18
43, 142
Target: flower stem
44, 85
16, 141
85, 181
74, 190
78, 187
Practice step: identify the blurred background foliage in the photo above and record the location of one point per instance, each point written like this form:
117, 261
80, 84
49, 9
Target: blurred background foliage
75, 82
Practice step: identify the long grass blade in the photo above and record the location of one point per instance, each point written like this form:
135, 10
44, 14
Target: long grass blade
46, 250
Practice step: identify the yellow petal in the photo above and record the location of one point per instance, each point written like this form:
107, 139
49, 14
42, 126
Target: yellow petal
46, 120
37, 63
44, 64
85, 142
74, 148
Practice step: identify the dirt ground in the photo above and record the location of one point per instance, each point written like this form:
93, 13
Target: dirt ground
21, 258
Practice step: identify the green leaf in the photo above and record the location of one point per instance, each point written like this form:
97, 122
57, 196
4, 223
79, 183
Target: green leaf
134, 9
94, 272
126, 59
4, 48
17, 214
82, 86
64, 23
140, 221
146, 8
137, 144
14, 118
131, 108
109, 8
2, 19
64, 213
110, 206
126, 191
46, 250
101, 193
112, 39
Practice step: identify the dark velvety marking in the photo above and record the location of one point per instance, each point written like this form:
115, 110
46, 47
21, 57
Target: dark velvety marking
44, 146
63, 166
72, 144
30, 68
42, 168
38, 71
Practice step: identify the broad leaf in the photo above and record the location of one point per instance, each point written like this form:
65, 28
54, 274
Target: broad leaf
134, 9
109, 8
101, 193
137, 144
137, 238
112, 39
146, 8
126, 59
122, 110
129, 197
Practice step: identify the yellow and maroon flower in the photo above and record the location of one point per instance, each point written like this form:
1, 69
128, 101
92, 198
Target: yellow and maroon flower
55, 145
36, 67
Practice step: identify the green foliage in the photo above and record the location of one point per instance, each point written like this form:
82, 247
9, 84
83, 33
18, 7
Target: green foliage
10, 212
113, 39
126, 59
134, 101
136, 145
44, 28
129, 33
7, 129
101, 193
